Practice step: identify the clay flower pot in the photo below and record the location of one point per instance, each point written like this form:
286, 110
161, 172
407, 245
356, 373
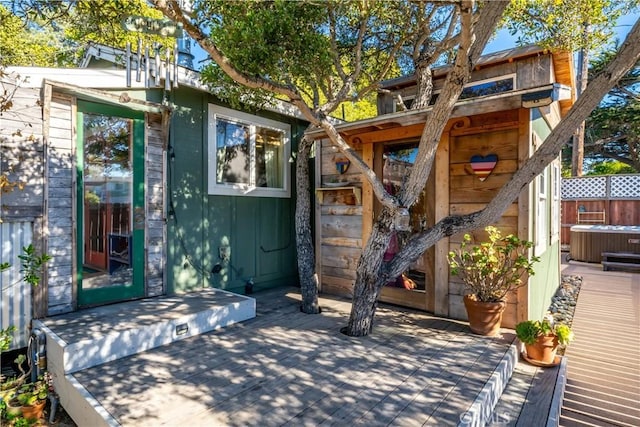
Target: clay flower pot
484, 317
33, 412
543, 350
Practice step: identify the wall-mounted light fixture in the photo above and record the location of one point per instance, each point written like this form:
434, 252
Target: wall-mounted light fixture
546, 95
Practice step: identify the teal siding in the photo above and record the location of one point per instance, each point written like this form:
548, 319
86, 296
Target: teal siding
544, 283
259, 231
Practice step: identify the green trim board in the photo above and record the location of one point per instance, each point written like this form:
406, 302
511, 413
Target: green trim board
97, 295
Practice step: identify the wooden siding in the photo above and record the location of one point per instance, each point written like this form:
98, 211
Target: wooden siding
340, 226
155, 206
259, 231
532, 71
481, 135
21, 154
60, 219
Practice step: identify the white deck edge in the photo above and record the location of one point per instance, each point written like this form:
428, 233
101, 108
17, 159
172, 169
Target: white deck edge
481, 409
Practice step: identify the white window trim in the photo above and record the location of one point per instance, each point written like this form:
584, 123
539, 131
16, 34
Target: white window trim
555, 203
542, 212
238, 189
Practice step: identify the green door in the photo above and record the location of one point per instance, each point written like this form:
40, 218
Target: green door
110, 204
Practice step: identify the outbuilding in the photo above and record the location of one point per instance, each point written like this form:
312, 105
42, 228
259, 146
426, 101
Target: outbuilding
510, 105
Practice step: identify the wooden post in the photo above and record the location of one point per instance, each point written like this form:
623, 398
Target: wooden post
441, 195
367, 195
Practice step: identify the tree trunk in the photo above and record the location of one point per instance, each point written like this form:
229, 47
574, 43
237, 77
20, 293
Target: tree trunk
370, 277
577, 153
372, 273
424, 89
304, 242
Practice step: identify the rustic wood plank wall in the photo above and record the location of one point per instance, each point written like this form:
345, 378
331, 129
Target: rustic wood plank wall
340, 229
60, 215
482, 135
21, 154
155, 220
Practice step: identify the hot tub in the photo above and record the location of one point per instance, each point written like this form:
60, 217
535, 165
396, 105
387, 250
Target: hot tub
589, 241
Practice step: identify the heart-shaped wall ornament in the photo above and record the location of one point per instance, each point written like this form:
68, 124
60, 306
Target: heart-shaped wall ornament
342, 164
482, 166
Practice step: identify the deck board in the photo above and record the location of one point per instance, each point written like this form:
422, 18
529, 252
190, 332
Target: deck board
285, 367
603, 379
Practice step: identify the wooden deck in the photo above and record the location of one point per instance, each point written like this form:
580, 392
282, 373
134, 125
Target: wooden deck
603, 383
288, 368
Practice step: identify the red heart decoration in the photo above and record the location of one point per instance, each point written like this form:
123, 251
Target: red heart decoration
483, 165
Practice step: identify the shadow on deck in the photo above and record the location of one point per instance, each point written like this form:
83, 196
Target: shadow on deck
284, 367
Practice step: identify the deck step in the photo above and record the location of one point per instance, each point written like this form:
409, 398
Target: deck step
91, 337
606, 265
622, 255
482, 411
533, 396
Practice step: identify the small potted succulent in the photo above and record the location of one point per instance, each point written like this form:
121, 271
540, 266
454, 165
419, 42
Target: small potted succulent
32, 398
542, 338
489, 271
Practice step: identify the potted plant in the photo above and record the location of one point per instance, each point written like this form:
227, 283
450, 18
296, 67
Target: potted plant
489, 271
542, 339
32, 397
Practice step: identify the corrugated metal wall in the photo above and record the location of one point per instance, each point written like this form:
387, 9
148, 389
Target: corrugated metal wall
15, 299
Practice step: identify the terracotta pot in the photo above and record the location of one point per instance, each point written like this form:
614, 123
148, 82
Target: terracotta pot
13, 408
484, 317
33, 412
544, 349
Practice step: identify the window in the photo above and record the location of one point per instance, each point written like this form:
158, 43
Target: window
248, 155
476, 89
555, 203
487, 87
542, 223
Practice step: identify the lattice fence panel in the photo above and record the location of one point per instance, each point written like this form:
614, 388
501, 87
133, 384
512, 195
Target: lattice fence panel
584, 188
625, 186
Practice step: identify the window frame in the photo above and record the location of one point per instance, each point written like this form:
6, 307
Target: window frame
511, 76
556, 178
542, 212
239, 189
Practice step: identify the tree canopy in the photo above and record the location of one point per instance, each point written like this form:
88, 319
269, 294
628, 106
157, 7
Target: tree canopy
56, 32
613, 129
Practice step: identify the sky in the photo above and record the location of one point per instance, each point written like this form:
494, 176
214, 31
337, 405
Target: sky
503, 40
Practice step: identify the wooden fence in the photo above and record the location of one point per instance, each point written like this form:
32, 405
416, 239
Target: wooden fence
607, 199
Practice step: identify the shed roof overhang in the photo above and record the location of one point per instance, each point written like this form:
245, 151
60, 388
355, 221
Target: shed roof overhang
107, 97
406, 124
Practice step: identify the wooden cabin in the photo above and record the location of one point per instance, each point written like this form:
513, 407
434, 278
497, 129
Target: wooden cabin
139, 188
513, 100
